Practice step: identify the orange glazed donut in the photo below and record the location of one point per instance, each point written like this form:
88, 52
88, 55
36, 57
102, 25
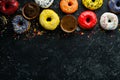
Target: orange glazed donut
69, 6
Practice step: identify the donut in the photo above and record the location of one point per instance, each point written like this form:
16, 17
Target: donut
8, 7
44, 3
49, 19
109, 21
20, 24
69, 6
92, 4
30, 10
114, 5
68, 23
1, 24
87, 20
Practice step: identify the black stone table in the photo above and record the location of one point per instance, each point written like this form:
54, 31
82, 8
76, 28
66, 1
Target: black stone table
55, 55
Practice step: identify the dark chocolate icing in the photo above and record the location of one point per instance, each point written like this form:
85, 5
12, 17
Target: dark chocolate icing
30, 10
68, 23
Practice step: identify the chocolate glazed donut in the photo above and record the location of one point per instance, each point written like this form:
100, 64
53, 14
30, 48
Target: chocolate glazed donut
30, 10
68, 23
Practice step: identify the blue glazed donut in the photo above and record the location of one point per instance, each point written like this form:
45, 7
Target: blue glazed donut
20, 24
114, 5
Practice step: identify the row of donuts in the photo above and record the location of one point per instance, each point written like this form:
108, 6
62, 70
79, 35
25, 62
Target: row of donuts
88, 19
67, 6
49, 19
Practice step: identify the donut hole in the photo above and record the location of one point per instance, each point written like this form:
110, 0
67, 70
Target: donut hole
118, 4
20, 23
88, 20
7, 6
109, 21
93, 0
70, 4
49, 19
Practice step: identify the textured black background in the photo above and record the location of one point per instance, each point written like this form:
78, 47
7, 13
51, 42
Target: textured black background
60, 56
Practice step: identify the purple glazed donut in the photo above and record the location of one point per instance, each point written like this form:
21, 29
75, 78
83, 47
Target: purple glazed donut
114, 5
20, 24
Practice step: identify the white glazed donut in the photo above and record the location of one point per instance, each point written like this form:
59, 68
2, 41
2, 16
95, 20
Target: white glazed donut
109, 21
44, 3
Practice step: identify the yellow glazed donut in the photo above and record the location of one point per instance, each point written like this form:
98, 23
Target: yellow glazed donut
92, 4
49, 19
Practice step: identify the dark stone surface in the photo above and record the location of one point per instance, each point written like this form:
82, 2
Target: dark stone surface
60, 56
